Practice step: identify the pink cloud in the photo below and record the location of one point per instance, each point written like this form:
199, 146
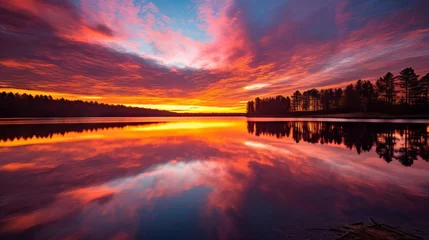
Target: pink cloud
133, 49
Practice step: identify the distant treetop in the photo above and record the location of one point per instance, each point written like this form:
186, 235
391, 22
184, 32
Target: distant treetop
405, 93
26, 105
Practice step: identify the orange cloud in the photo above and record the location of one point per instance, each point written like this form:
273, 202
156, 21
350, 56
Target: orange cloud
132, 53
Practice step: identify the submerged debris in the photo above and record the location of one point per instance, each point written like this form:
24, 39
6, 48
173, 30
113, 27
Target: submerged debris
372, 231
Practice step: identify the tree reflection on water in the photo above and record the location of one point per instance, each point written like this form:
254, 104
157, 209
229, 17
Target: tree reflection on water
392, 141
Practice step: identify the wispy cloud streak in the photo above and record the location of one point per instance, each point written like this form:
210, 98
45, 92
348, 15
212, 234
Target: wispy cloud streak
214, 56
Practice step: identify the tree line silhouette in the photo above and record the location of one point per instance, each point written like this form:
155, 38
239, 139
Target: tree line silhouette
412, 144
26, 105
404, 93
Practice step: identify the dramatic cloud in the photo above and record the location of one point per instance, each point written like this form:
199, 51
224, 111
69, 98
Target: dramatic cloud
204, 55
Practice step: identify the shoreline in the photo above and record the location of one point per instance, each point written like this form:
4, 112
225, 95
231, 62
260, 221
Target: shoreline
134, 116
359, 115
356, 115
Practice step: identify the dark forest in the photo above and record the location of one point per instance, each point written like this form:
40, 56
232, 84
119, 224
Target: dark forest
405, 93
25, 105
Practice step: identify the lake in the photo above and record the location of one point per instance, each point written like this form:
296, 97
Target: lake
209, 178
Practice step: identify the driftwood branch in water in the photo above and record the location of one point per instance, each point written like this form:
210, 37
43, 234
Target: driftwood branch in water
372, 231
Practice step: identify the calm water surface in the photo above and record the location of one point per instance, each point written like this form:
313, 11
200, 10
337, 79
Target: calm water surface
208, 178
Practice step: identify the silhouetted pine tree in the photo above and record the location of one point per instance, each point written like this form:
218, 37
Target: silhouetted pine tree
390, 94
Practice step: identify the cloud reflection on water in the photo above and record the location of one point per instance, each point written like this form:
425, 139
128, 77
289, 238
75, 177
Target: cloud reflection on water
224, 181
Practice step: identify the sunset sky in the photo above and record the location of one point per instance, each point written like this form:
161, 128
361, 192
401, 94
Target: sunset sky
204, 55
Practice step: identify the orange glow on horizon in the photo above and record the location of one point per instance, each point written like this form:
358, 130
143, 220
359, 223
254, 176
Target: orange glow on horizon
119, 100
183, 125
117, 55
